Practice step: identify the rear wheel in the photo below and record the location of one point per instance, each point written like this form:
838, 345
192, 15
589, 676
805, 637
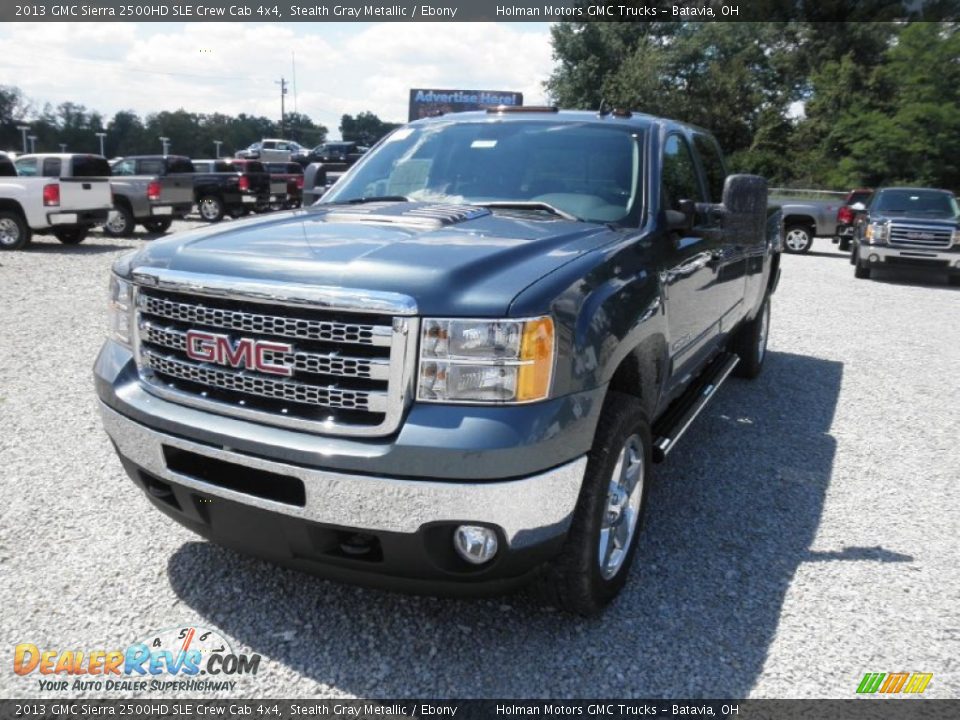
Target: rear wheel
594, 563
71, 236
750, 343
14, 232
210, 208
798, 239
158, 226
845, 244
121, 222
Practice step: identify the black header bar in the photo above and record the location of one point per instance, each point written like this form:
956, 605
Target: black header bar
474, 10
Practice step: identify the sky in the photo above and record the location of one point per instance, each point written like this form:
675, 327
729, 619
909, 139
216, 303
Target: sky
235, 67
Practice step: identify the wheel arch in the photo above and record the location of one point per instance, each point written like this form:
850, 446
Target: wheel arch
8, 205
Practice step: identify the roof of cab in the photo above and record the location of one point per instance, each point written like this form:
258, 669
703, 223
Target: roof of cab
519, 113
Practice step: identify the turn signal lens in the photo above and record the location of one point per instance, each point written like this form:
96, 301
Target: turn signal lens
536, 349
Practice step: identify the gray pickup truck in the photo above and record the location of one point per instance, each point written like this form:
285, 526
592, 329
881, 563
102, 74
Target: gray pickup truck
152, 190
455, 372
804, 220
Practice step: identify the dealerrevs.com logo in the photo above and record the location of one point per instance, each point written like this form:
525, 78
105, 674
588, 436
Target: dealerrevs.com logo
189, 659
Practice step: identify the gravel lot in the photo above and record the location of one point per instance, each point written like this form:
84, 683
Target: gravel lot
803, 533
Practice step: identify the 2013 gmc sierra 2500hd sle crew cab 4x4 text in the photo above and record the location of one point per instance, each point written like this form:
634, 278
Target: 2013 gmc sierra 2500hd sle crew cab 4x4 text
454, 372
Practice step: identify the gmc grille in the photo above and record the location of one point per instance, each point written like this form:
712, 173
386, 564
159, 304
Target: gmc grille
920, 236
348, 372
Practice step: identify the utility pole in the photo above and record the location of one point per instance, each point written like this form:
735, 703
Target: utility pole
166, 144
101, 135
33, 143
218, 143
23, 131
282, 82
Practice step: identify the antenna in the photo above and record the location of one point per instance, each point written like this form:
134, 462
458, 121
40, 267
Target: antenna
293, 55
282, 82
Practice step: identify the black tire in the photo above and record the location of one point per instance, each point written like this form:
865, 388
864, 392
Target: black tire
158, 226
574, 581
210, 208
122, 224
72, 235
860, 270
750, 343
953, 280
845, 244
14, 231
797, 239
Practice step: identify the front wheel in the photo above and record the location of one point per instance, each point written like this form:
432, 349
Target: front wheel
14, 231
798, 239
750, 343
71, 236
860, 270
211, 208
595, 560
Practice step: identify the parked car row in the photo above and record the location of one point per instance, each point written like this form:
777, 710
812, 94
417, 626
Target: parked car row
66, 194
272, 150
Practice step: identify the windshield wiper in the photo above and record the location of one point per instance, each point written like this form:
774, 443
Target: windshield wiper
376, 198
528, 205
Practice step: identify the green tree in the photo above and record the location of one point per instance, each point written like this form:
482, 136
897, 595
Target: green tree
366, 128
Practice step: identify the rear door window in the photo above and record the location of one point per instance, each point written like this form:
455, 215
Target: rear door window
90, 166
52, 167
153, 166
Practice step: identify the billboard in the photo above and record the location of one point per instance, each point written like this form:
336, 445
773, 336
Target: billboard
425, 102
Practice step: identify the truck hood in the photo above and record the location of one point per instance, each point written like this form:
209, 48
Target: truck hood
453, 260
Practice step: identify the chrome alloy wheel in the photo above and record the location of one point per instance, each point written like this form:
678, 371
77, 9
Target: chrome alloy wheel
797, 239
764, 328
118, 223
622, 511
209, 209
9, 232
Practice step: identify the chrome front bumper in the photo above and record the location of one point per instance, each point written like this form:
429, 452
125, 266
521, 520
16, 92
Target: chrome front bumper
945, 258
529, 510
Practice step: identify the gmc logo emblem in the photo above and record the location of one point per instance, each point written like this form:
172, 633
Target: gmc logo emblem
246, 353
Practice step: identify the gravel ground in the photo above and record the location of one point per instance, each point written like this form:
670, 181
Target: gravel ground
803, 533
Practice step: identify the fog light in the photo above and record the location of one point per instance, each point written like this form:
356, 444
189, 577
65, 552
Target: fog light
475, 544
874, 258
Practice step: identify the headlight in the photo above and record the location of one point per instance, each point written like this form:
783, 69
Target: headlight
120, 309
956, 236
486, 361
877, 232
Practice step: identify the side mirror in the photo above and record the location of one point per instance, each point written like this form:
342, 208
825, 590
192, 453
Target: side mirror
683, 217
745, 194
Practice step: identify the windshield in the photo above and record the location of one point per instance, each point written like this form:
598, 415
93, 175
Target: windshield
917, 203
581, 169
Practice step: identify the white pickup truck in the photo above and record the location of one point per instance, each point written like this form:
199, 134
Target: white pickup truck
62, 195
